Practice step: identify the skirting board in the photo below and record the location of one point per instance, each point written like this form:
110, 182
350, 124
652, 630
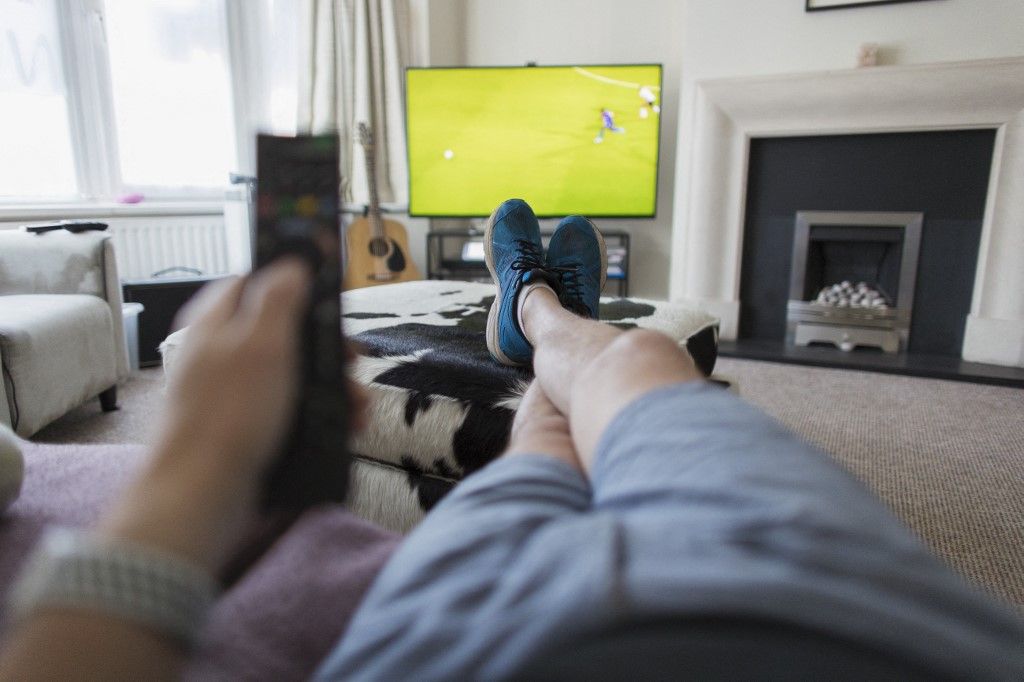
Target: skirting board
995, 341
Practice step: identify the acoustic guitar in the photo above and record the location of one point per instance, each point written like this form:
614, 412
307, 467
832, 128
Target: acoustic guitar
378, 249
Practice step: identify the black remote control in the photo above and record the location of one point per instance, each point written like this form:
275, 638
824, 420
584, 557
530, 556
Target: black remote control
69, 225
297, 213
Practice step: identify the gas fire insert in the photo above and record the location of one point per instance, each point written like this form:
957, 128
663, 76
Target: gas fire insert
852, 278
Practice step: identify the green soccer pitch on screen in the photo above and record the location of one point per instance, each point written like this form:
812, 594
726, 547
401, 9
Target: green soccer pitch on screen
567, 139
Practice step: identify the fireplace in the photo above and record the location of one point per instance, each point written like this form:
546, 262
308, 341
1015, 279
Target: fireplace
939, 177
730, 116
852, 279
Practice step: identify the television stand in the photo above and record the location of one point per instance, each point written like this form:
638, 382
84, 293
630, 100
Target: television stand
458, 255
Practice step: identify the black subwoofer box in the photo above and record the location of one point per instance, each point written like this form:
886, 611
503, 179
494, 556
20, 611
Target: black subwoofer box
161, 299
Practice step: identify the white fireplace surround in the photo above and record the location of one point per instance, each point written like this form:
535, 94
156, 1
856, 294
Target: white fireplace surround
728, 113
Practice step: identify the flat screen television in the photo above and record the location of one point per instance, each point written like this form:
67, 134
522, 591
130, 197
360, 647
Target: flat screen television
567, 139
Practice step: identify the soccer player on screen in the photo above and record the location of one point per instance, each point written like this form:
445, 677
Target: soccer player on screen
650, 99
607, 123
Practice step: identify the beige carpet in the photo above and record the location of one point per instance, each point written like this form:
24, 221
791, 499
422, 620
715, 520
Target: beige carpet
140, 401
948, 457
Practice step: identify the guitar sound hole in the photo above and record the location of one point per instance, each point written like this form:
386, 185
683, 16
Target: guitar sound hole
378, 247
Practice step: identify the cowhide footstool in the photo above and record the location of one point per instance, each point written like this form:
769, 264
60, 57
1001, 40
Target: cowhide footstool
440, 407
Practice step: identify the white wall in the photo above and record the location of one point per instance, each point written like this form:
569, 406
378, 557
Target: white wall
503, 32
726, 38
753, 37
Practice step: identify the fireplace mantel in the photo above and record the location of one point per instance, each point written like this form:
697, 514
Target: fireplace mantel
727, 113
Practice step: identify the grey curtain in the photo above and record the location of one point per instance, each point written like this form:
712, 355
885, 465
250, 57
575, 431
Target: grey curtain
352, 59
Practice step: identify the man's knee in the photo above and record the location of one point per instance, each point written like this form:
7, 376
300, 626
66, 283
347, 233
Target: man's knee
647, 342
643, 349
636, 361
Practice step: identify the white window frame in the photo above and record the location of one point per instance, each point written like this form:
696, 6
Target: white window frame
92, 122
89, 98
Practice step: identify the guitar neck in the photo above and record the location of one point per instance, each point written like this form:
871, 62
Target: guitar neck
376, 221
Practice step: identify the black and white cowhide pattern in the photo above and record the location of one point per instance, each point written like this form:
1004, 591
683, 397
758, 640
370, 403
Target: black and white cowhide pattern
441, 408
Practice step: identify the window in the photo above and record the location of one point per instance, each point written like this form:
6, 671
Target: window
281, 29
35, 139
99, 98
171, 92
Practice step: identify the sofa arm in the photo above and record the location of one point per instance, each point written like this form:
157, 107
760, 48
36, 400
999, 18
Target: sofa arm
6, 418
61, 262
112, 291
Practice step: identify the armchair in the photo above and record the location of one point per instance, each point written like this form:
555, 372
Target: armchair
61, 329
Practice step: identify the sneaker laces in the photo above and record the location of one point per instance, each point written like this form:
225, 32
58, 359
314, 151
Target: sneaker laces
530, 256
572, 290
562, 280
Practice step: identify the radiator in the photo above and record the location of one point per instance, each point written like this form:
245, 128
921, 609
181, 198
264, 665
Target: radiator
147, 245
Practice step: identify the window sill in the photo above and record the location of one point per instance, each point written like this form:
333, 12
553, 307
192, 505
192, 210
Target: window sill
100, 209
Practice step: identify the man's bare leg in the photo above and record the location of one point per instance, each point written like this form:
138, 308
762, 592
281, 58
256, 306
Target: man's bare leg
539, 428
590, 370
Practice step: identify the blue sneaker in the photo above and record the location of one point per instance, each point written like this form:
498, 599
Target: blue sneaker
514, 254
576, 253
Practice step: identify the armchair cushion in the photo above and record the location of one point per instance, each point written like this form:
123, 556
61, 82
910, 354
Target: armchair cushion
56, 355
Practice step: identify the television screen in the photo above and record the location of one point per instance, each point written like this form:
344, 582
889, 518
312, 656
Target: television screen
567, 139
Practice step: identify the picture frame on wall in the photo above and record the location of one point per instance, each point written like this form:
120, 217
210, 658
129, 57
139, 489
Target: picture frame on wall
820, 5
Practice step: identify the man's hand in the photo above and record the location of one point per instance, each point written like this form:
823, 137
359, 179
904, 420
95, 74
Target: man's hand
236, 385
228, 409
226, 415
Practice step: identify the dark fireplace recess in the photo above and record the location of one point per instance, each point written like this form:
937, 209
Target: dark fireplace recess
851, 252
942, 175
852, 278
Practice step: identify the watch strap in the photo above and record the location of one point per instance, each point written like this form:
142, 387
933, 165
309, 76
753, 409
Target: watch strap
74, 569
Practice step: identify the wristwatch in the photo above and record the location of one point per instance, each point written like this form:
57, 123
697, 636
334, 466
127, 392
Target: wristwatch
80, 570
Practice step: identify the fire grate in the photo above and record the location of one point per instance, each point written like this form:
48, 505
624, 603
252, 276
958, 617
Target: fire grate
877, 249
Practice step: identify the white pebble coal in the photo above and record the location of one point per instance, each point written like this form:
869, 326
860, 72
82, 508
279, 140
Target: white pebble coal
848, 295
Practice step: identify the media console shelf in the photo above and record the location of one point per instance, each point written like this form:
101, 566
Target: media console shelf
458, 254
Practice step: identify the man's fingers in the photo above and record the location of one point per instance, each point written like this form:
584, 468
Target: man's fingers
214, 304
353, 349
276, 296
359, 403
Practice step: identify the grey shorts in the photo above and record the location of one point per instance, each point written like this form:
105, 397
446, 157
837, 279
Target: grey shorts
700, 506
